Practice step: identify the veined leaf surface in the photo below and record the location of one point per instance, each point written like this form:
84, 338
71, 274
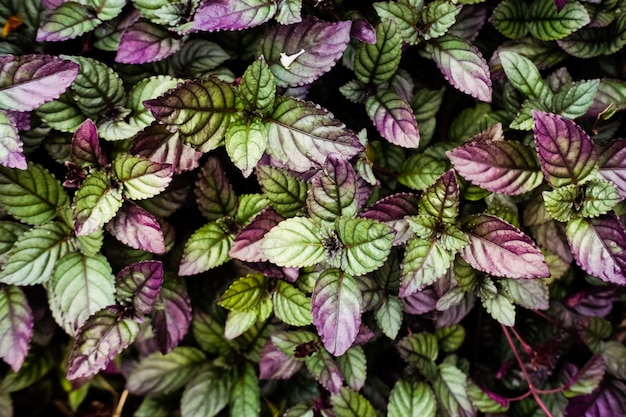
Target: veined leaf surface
17, 326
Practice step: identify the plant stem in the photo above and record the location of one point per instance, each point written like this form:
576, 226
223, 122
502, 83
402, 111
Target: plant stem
120, 404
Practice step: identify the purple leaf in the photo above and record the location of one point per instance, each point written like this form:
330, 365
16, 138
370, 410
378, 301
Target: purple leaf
336, 310
363, 31
268, 269
566, 153
17, 326
501, 249
393, 118
599, 247
560, 4
275, 364
171, 322
11, 146
137, 228
594, 302
500, 166
298, 54
420, 302
607, 400
21, 119
612, 161
325, 369
215, 15
86, 149
247, 244
392, 210
551, 236
52, 4
28, 81
140, 285
333, 190
106, 334
144, 42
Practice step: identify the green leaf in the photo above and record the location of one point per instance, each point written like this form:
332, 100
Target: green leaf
333, 191
451, 337
291, 305
389, 316
524, 75
288, 12
147, 88
483, 402
244, 294
349, 403
67, 21
411, 399
33, 257
207, 393
403, 15
207, 248
81, 286
470, 122
614, 355
249, 206
245, 143
200, 110
588, 378
500, 308
6, 405
62, 114
366, 244
9, 233
420, 171
286, 193
16, 332
31, 195
245, 394
421, 349
106, 9
11, 146
159, 374
95, 203
258, 88
437, 17
593, 330
325, 370
209, 333
590, 199
294, 242
549, 24
590, 42
141, 178
441, 199
393, 118
575, 100
377, 63
450, 387
529, 293
510, 18
353, 366
214, 194
36, 365
238, 322
425, 261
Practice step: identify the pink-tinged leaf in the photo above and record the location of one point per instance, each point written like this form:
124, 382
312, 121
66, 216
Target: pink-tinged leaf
298, 54
52, 4
16, 326
214, 194
139, 284
594, 302
275, 364
325, 370
420, 302
607, 400
137, 228
20, 119
599, 247
551, 236
144, 42
270, 270
159, 144
247, 244
612, 161
11, 146
500, 249
333, 190
363, 31
215, 15
172, 319
86, 149
462, 64
28, 81
500, 166
567, 154
393, 118
392, 211
106, 334
336, 310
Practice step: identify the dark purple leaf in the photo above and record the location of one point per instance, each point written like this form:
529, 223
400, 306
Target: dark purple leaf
500, 249
393, 118
598, 247
457, 312
52, 4
16, 330
612, 161
171, 321
247, 244
215, 15
144, 42
392, 210
139, 284
20, 119
420, 302
566, 153
28, 81
86, 149
594, 302
105, 334
607, 400
270, 270
137, 228
363, 31
275, 364
560, 4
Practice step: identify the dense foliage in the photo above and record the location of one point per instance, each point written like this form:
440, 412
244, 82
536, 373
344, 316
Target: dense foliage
312, 208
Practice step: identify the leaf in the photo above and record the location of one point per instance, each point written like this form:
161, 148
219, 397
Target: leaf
450, 338
275, 364
437, 17
233, 14
258, 87
574, 101
420, 349
392, 211
95, 203
302, 135
403, 15
353, 365
286, 193
209, 333
425, 261
214, 194
37, 364
31, 195
566, 153
101, 339
245, 294
500, 308
612, 161
325, 370
294, 242
160, 374
336, 310
377, 63
172, 315
532, 293
462, 65
510, 18
598, 247
207, 248
393, 118
289, 12
11, 146
141, 178
200, 111
450, 388
31, 260
147, 88
501, 249
420, 171
245, 394
500, 166
333, 191
389, 316
207, 393
366, 244
441, 200
139, 285
607, 399
247, 244
245, 143
62, 114
144, 42
411, 399
81, 286
548, 23
138, 228
86, 150
524, 75
349, 403
67, 21
590, 199
239, 322
17, 326
323, 44
9, 233
162, 146
486, 402
291, 305
588, 378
